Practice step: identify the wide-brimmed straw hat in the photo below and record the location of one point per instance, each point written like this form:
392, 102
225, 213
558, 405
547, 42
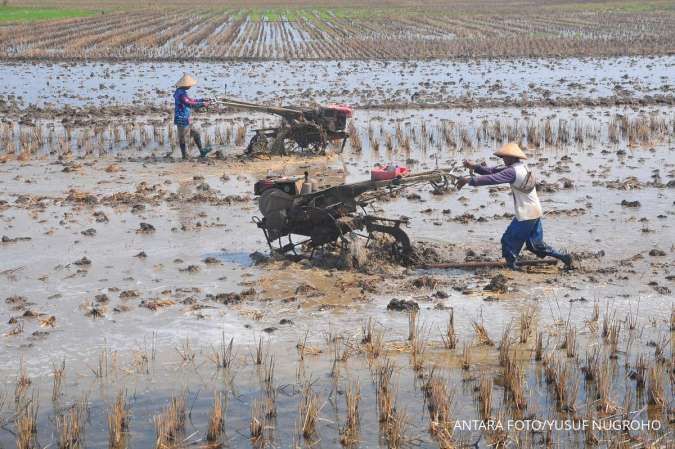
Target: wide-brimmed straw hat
510, 150
186, 81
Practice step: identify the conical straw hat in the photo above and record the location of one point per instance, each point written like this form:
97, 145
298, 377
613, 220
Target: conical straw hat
186, 81
512, 150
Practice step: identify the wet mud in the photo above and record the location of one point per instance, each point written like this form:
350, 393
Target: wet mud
132, 88
137, 271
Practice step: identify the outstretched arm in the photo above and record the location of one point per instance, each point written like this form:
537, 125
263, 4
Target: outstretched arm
481, 168
489, 175
485, 170
492, 176
192, 102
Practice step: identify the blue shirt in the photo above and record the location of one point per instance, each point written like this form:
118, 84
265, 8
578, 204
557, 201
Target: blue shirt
183, 105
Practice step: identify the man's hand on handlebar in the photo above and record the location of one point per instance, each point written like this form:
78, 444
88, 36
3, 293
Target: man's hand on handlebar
469, 164
461, 182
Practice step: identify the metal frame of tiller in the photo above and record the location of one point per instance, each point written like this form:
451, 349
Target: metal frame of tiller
308, 129
329, 215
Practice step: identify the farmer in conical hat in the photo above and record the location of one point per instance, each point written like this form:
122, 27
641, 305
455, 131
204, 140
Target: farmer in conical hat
525, 228
184, 104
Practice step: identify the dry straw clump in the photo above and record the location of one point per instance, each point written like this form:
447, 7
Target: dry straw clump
269, 398
485, 397
102, 368
466, 357
224, 355
385, 395
303, 349
216, 419
412, 324
640, 372
482, 334
505, 344
392, 421
449, 337
564, 380
526, 323
118, 422
308, 409
604, 373
374, 343
354, 138
23, 382
349, 433
367, 330
70, 426
570, 344
259, 352
439, 402
418, 348
395, 430
514, 383
655, 388
58, 373
341, 353
186, 352
26, 424
539, 346
257, 423
170, 424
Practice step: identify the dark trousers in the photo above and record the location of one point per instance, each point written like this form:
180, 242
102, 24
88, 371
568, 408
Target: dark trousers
530, 233
184, 132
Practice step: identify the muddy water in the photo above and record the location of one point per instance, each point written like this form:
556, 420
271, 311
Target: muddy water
293, 300
351, 82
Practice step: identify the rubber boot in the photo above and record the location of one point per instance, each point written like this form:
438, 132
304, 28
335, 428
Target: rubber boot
567, 259
514, 265
202, 151
183, 151
562, 256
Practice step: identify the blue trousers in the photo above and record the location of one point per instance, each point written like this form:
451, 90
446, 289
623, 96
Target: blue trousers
530, 233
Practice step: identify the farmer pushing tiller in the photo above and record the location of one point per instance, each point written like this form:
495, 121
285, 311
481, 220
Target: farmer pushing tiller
182, 116
292, 206
302, 129
525, 228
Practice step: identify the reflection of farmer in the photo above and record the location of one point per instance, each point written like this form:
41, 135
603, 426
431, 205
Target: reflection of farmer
526, 226
181, 118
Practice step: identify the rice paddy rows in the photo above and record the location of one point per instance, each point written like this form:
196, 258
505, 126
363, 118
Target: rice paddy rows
322, 34
375, 135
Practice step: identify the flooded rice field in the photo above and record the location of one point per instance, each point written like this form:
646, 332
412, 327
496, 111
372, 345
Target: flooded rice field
363, 83
141, 307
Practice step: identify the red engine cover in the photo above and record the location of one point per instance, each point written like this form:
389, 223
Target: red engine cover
387, 172
346, 110
288, 185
